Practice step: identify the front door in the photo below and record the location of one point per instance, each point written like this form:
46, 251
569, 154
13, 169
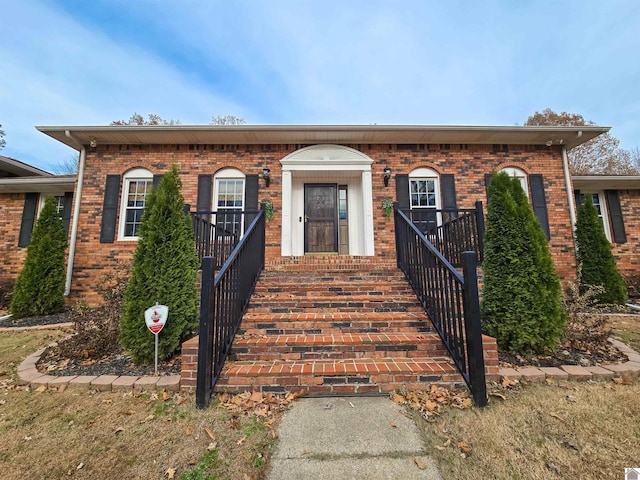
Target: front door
320, 218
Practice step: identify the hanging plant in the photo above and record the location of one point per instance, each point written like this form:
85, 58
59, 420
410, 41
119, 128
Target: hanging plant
268, 209
387, 206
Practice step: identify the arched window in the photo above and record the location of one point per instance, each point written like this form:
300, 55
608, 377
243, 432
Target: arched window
424, 198
520, 175
228, 201
136, 184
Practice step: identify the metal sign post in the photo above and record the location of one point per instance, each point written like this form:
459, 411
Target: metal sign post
155, 318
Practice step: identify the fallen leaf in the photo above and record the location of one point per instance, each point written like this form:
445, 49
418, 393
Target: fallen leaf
212, 446
187, 432
447, 443
498, 395
107, 400
397, 398
241, 441
234, 422
438, 447
210, 433
80, 465
393, 424
192, 461
466, 449
171, 472
147, 418
166, 396
419, 463
128, 412
119, 430
256, 397
40, 389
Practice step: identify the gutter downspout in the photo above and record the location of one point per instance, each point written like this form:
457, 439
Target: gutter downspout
76, 212
567, 179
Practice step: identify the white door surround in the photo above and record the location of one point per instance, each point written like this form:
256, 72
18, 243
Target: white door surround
327, 164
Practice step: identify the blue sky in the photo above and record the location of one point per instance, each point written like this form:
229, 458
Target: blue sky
81, 62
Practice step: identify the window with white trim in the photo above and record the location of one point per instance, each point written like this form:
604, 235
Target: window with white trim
59, 203
600, 202
424, 198
136, 185
228, 202
520, 175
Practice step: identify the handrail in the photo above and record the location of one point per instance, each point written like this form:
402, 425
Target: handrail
223, 302
449, 298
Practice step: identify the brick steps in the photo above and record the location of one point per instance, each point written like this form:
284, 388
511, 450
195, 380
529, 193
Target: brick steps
338, 346
326, 377
352, 328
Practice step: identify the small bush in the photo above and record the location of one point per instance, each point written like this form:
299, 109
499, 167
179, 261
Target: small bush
633, 286
39, 289
522, 296
596, 263
586, 326
6, 290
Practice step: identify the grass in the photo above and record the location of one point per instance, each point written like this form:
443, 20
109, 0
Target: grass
85, 434
627, 329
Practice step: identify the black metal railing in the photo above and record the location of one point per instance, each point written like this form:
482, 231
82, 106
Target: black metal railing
223, 301
449, 299
452, 231
217, 233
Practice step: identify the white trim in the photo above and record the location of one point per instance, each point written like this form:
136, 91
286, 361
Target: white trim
308, 165
521, 175
229, 173
604, 211
133, 175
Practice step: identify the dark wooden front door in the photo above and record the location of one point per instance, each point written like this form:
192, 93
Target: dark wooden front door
321, 219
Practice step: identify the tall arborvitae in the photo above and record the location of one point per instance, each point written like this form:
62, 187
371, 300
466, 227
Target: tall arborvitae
522, 296
39, 289
596, 263
164, 270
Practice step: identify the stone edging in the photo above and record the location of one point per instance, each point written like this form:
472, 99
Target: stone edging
28, 374
576, 372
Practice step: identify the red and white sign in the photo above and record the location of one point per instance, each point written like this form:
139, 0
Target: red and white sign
155, 318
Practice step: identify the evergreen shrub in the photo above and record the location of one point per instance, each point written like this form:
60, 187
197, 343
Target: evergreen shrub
39, 288
164, 270
596, 263
522, 297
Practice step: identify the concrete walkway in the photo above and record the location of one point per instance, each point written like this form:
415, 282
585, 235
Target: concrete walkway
349, 438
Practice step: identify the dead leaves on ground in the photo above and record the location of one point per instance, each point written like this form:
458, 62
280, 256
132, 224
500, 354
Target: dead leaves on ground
258, 403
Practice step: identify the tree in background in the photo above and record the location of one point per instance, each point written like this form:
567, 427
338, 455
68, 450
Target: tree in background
3, 142
39, 289
164, 270
596, 263
522, 296
66, 167
227, 120
152, 119
602, 155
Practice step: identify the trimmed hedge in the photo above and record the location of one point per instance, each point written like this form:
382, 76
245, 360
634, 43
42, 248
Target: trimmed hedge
522, 297
164, 269
39, 289
596, 263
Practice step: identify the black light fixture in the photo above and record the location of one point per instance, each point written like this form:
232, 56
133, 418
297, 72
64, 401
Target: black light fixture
387, 176
266, 174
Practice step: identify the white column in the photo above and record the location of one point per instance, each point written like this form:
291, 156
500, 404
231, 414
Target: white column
367, 205
286, 213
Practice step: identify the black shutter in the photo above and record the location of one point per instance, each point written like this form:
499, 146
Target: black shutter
578, 197
539, 201
250, 198
448, 191
156, 180
487, 182
66, 211
28, 218
402, 191
615, 213
205, 186
110, 209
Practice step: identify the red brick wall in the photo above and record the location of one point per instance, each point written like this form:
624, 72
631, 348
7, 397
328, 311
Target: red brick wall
469, 164
628, 254
11, 256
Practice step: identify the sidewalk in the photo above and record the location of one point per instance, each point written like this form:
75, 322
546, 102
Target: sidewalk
349, 438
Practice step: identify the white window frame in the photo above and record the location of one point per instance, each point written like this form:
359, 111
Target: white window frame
224, 175
57, 196
424, 173
521, 175
133, 175
603, 210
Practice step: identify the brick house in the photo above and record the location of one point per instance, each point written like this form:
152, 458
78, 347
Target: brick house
23, 189
427, 167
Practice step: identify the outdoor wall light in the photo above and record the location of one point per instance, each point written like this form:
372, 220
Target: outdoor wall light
266, 174
387, 176
93, 143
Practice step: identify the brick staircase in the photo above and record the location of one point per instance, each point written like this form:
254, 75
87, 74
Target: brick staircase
335, 325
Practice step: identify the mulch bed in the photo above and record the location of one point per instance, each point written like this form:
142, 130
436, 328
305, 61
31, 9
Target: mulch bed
116, 362
597, 355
